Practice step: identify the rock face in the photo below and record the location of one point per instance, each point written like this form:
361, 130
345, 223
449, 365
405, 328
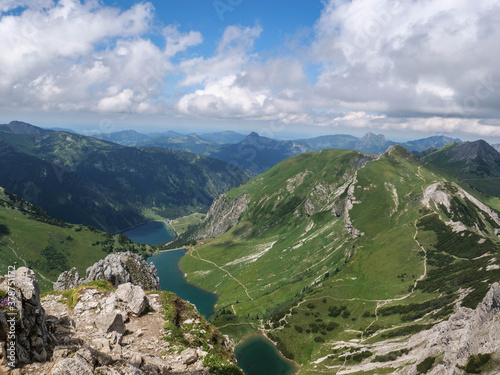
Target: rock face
117, 269
32, 336
134, 298
223, 214
467, 332
67, 280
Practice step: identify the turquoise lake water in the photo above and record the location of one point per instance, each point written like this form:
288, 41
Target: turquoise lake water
151, 233
258, 356
172, 279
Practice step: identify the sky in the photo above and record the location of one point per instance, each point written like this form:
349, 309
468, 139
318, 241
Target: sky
407, 69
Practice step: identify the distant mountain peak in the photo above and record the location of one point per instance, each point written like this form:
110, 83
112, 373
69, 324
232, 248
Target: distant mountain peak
19, 127
371, 135
475, 149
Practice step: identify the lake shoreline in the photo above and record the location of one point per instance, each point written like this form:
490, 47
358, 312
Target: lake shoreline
263, 334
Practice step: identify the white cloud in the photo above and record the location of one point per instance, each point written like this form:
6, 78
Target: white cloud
238, 84
426, 56
234, 52
69, 55
421, 65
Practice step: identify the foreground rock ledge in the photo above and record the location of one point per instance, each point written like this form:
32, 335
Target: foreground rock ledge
102, 330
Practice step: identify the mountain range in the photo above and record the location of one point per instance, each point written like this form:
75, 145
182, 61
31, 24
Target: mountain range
256, 153
335, 252
81, 179
358, 259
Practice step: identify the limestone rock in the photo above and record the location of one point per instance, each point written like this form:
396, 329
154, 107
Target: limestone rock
32, 333
117, 269
134, 298
135, 359
72, 366
189, 356
87, 356
67, 280
102, 345
122, 268
109, 322
154, 365
224, 213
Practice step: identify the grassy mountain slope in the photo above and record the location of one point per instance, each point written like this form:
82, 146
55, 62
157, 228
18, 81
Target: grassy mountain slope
476, 163
81, 179
336, 247
29, 237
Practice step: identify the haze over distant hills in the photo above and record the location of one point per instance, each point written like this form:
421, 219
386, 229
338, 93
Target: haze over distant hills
256, 153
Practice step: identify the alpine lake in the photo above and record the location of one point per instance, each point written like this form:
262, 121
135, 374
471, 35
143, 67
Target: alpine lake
256, 355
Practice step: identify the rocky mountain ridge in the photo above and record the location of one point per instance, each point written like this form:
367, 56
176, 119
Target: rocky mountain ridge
98, 329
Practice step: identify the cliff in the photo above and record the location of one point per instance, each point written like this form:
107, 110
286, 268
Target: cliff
223, 214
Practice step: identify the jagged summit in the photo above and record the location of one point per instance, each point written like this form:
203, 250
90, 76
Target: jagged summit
116, 269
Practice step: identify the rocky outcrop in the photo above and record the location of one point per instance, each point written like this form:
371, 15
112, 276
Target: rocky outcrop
24, 316
467, 332
110, 332
133, 297
67, 280
117, 269
223, 214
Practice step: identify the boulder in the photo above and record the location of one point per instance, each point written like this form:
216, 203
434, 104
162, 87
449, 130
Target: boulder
189, 356
134, 298
72, 366
154, 365
109, 322
102, 345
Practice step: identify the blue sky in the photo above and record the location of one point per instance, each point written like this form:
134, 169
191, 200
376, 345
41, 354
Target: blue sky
407, 69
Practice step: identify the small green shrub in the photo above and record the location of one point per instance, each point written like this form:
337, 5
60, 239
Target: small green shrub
476, 363
425, 365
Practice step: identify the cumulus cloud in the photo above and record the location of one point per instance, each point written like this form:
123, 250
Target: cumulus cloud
237, 83
421, 57
421, 65
74, 56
